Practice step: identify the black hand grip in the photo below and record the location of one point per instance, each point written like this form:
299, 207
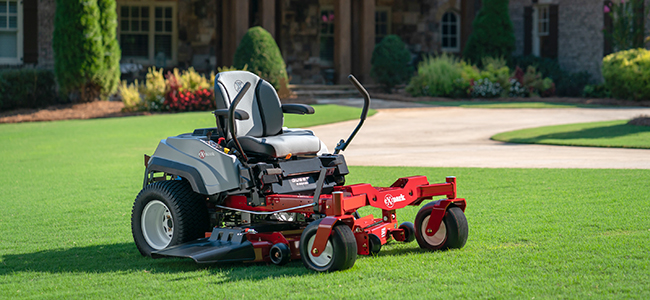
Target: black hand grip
364, 113
364, 93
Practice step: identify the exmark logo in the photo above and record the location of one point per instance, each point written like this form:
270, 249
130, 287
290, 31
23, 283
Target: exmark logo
238, 85
390, 200
203, 154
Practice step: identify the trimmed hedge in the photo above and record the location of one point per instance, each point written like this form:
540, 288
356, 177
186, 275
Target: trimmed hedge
390, 62
492, 33
627, 74
86, 53
27, 88
258, 52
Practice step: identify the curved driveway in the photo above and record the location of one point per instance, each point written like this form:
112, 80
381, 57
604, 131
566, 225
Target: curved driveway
460, 137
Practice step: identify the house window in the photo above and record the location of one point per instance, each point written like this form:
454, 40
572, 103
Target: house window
542, 20
147, 32
11, 36
450, 34
382, 23
327, 36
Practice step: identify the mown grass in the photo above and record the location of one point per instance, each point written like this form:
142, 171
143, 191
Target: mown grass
67, 188
498, 104
597, 134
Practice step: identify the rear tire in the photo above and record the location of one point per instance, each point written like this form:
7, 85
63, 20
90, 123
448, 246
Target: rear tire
452, 233
339, 254
167, 213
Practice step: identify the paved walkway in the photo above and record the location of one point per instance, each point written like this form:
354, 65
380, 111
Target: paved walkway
460, 137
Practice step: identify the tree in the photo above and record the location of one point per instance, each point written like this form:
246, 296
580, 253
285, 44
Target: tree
492, 33
390, 62
260, 54
86, 54
110, 78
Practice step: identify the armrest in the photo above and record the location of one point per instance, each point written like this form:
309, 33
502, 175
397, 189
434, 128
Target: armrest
295, 108
239, 114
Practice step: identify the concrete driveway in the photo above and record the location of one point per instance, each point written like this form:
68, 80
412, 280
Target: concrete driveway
460, 137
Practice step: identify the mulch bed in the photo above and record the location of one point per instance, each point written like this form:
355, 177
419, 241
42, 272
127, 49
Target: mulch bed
91, 110
642, 120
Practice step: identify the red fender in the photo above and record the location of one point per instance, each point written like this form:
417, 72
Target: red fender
324, 231
438, 212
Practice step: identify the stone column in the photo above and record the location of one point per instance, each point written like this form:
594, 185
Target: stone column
235, 24
366, 39
267, 14
342, 39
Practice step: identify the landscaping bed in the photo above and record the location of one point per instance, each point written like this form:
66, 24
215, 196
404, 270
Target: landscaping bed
91, 110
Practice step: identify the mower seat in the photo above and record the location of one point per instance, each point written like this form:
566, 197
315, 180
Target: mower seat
262, 134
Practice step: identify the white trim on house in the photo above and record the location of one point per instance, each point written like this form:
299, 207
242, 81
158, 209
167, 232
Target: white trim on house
541, 25
6, 29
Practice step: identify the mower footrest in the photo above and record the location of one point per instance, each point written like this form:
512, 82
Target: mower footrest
223, 245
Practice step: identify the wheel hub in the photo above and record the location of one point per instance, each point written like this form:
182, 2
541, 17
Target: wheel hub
436, 239
325, 257
157, 224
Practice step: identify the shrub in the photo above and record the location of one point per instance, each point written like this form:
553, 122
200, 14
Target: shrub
78, 50
27, 88
231, 68
485, 88
492, 32
567, 84
192, 81
596, 91
176, 91
85, 49
259, 52
390, 62
497, 73
179, 98
154, 90
517, 89
439, 76
534, 82
627, 74
130, 95
110, 77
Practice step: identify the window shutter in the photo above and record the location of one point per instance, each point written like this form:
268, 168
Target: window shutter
30, 31
550, 44
528, 30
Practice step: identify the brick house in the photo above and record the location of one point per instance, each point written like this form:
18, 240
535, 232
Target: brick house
321, 40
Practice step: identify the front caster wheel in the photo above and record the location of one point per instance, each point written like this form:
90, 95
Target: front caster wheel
409, 231
340, 252
280, 254
452, 233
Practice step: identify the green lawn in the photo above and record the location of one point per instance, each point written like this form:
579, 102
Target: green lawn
67, 189
597, 134
498, 104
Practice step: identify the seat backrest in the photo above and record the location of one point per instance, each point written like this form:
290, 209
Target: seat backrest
261, 102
